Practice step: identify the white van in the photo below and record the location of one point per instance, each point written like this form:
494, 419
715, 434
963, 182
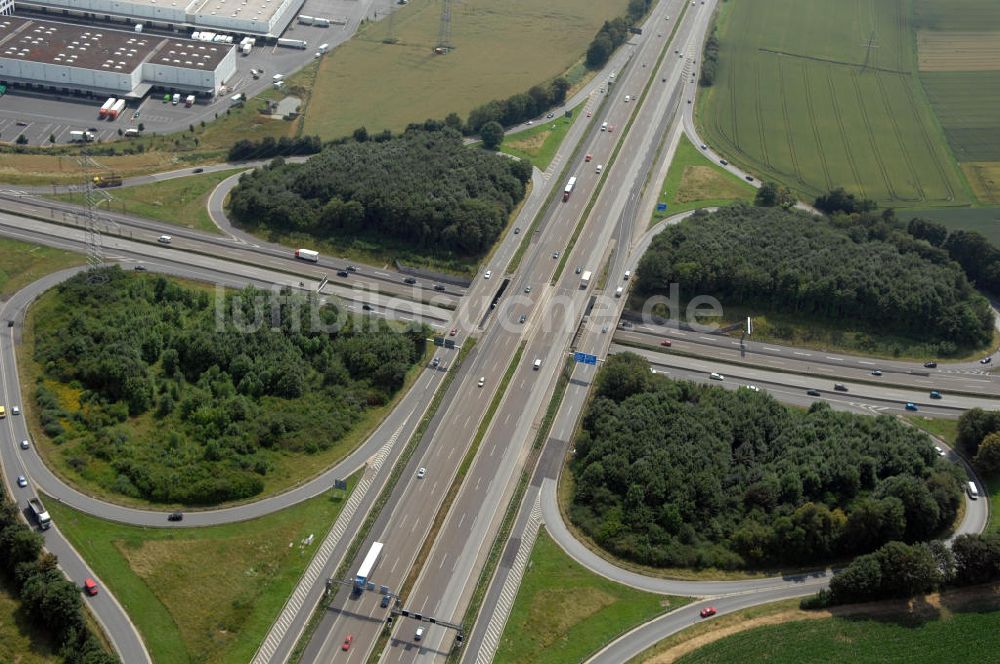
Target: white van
538, 364
628, 98
604, 126
619, 291
599, 169
628, 274
973, 491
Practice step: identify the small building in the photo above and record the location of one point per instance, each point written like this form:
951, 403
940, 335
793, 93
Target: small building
68, 58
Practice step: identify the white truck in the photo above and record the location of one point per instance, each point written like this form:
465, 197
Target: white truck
80, 136
293, 43
106, 107
38, 511
585, 278
116, 110
189, 102
245, 48
307, 255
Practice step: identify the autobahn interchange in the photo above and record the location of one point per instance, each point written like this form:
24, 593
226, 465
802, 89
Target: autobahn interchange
552, 312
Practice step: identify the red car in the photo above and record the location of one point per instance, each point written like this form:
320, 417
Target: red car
90, 587
708, 612
588, 114
453, 332
587, 158
611, 128
347, 642
667, 342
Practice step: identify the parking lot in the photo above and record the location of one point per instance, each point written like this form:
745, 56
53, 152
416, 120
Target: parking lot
41, 116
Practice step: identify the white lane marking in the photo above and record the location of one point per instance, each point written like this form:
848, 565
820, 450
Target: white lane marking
769, 348
803, 354
838, 359
708, 338
865, 362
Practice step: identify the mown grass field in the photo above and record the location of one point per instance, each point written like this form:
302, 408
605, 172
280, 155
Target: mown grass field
819, 94
204, 595
500, 49
953, 634
22, 263
693, 181
564, 613
180, 201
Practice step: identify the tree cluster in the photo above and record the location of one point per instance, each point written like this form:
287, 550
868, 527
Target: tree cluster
179, 404
864, 268
898, 570
772, 194
611, 35
709, 61
518, 108
838, 200
268, 147
979, 437
48, 599
673, 474
424, 189
977, 256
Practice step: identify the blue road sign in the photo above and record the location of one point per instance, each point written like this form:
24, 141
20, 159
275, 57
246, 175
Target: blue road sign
585, 358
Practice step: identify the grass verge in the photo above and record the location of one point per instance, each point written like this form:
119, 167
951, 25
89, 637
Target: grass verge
564, 612
954, 626
539, 145
693, 182
203, 594
22, 263
383, 498
178, 201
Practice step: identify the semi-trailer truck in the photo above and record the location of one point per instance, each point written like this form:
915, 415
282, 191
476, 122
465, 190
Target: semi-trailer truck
569, 188
38, 511
307, 255
103, 113
116, 110
293, 43
80, 136
585, 279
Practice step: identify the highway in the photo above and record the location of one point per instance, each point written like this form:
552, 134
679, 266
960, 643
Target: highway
614, 235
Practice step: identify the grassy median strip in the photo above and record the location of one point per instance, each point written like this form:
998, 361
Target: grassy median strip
510, 516
23, 263
203, 594
383, 498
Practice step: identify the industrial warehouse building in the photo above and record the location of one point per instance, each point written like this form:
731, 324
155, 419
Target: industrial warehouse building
66, 58
262, 18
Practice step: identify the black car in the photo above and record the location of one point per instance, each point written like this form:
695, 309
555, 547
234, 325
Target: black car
438, 287
342, 273
198, 170
409, 280
139, 268
876, 372
930, 365
351, 268
986, 360
840, 387
385, 601
813, 393
366, 307
175, 516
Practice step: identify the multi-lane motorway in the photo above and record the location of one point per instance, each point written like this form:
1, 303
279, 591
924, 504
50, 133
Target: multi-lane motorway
543, 314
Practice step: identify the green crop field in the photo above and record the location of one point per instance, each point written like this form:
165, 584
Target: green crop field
500, 49
956, 15
204, 595
819, 94
985, 220
966, 104
564, 612
962, 634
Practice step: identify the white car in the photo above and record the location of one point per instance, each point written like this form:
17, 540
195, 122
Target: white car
421, 473
482, 381
716, 376
937, 448
753, 387
164, 239
489, 273
22, 481
24, 445
15, 410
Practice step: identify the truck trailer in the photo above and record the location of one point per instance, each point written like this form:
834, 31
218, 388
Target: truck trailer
293, 43
38, 511
307, 255
116, 110
585, 279
80, 136
103, 113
